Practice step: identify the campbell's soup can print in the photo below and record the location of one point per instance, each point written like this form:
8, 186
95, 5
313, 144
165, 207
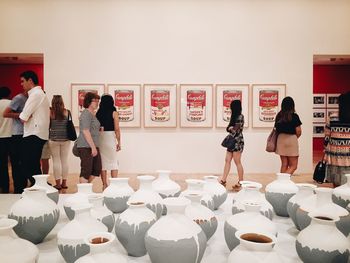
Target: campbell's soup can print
124, 103
268, 105
227, 97
81, 96
160, 105
196, 105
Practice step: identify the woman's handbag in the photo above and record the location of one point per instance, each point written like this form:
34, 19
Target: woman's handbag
75, 149
320, 172
229, 141
71, 133
271, 142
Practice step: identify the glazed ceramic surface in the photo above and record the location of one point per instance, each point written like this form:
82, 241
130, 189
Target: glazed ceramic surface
41, 182
100, 212
198, 185
117, 194
341, 194
81, 197
164, 186
216, 190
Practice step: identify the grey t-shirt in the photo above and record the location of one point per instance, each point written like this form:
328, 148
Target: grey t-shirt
88, 121
17, 105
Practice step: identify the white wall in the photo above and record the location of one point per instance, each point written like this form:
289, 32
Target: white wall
180, 41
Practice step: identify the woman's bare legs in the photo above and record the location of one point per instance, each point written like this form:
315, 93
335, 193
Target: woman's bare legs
237, 160
284, 164
104, 179
292, 164
227, 167
114, 173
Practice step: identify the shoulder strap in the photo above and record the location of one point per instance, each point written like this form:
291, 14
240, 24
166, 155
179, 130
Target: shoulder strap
69, 115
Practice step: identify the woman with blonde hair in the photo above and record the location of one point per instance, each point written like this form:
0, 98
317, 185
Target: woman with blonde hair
58, 141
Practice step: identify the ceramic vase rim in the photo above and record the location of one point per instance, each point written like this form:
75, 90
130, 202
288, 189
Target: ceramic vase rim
107, 235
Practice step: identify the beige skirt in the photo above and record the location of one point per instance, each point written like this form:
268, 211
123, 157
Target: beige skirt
287, 145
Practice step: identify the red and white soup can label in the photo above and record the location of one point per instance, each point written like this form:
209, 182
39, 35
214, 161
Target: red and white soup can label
81, 97
196, 105
160, 105
227, 97
268, 105
124, 103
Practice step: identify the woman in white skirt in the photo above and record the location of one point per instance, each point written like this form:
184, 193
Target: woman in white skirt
109, 137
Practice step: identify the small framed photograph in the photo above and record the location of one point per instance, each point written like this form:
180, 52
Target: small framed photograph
318, 130
319, 115
319, 100
332, 114
160, 102
78, 92
333, 100
127, 101
225, 93
196, 105
267, 99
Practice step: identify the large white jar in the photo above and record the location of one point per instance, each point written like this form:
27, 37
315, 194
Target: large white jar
70, 239
341, 194
81, 197
36, 214
175, 238
131, 228
101, 244
251, 193
201, 214
14, 249
117, 194
255, 247
164, 186
214, 188
147, 195
197, 186
321, 241
322, 203
305, 190
241, 193
41, 182
251, 220
100, 212
279, 192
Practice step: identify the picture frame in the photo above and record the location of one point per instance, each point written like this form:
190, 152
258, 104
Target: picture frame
196, 105
225, 93
318, 130
332, 113
127, 100
332, 100
266, 103
78, 91
319, 100
319, 115
160, 105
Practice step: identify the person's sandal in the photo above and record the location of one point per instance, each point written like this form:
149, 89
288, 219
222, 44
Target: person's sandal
58, 187
237, 186
223, 183
64, 187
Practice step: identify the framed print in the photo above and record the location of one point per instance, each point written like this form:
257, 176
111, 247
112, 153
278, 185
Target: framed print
225, 93
318, 130
333, 100
319, 100
196, 107
332, 113
160, 105
319, 115
267, 99
127, 100
78, 92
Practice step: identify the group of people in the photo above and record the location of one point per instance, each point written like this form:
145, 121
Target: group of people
288, 127
30, 129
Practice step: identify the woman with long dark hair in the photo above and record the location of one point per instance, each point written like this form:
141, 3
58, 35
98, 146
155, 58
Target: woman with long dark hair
235, 128
288, 126
110, 142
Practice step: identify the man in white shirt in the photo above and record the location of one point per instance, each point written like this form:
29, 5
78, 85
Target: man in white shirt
36, 119
5, 137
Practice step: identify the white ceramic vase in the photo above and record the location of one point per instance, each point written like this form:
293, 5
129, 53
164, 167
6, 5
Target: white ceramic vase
100, 212
80, 197
147, 195
117, 194
256, 247
321, 241
215, 189
70, 239
131, 228
201, 214
14, 249
305, 190
164, 186
251, 220
197, 186
36, 215
241, 193
101, 244
279, 192
175, 238
251, 193
341, 194
41, 182
322, 203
